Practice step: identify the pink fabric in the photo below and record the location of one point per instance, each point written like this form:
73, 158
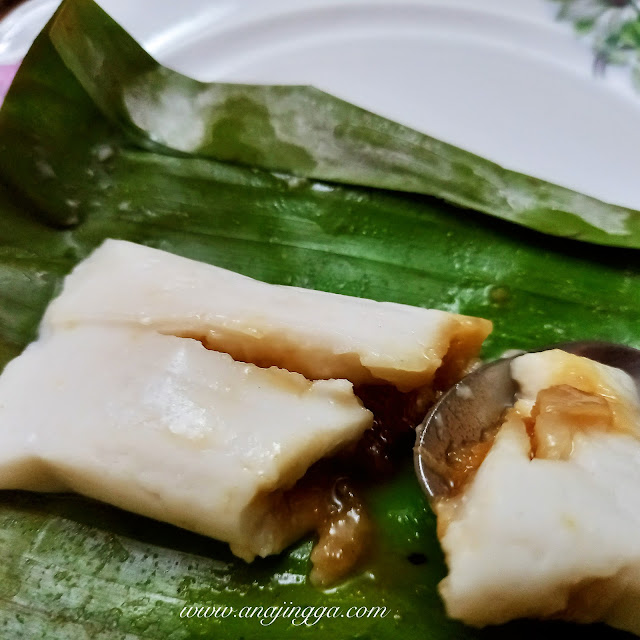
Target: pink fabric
6, 77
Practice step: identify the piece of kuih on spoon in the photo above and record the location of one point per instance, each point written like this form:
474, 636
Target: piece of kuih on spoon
475, 405
532, 467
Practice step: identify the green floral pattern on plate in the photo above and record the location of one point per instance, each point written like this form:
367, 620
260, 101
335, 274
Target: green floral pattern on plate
613, 27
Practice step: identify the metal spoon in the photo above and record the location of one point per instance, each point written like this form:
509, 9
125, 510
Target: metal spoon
477, 402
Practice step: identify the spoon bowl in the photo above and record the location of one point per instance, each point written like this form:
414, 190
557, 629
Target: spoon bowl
476, 403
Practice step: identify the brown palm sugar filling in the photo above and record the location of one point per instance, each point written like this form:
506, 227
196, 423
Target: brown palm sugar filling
560, 412
558, 415
327, 501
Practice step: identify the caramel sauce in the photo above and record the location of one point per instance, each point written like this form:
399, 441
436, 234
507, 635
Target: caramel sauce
461, 466
462, 462
328, 504
344, 537
582, 375
327, 501
445, 510
459, 360
561, 412
392, 436
465, 461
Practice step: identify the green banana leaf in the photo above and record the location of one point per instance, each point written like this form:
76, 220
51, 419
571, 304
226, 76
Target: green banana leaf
73, 172
308, 133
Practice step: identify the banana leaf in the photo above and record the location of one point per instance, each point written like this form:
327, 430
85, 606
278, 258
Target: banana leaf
72, 173
309, 133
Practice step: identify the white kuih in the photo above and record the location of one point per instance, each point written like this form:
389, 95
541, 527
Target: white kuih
550, 524
163, 427
155, 386
318, 334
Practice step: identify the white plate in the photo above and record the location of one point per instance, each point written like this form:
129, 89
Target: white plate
501, 78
